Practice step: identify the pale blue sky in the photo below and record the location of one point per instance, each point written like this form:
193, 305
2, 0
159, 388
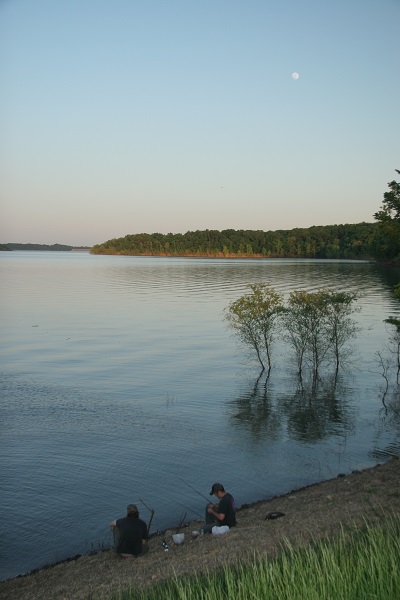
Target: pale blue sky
127, 116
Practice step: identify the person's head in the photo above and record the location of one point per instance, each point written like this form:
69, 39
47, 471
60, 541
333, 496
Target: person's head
217, 490
132, 510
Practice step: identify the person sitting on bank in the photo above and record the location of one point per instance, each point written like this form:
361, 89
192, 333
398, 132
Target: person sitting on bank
223, 513
130, 534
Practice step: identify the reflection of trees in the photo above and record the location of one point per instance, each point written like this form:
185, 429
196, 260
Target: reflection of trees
318, 409
254, 411
394, 406
390, 422
314, 411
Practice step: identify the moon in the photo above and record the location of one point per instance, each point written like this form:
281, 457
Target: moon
295, 75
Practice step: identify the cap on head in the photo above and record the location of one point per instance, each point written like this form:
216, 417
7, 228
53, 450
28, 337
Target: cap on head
132, 510
217, 487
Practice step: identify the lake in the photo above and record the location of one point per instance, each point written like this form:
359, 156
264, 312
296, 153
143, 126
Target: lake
120, 383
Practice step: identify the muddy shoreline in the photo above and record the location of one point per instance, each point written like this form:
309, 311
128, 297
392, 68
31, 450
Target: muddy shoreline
310, 513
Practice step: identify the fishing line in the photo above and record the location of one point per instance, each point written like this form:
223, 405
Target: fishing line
191, 510
194, 489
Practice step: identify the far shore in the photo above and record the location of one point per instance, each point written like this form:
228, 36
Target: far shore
235, 256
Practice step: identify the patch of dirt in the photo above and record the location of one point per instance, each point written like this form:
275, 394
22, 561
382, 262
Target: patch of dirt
310, 513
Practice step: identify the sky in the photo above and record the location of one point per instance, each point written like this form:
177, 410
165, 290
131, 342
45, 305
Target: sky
130, 116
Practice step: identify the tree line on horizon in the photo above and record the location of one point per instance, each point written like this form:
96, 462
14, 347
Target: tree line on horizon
379, 240
349, 241
49, 247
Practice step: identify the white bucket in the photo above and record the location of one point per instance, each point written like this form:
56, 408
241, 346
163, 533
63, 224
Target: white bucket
178, 538
220, 530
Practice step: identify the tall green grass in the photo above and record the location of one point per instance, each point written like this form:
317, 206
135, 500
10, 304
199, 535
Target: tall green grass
363, 565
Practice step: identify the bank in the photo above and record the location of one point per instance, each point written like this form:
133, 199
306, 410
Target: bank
311, 513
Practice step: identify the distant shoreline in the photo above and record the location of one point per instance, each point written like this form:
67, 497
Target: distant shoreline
236, 257
14, 247
221, 256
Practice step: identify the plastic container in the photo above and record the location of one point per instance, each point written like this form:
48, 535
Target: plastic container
178, 538
220, 530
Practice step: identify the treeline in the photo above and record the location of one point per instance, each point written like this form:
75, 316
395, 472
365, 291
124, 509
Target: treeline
52, 247
358, 241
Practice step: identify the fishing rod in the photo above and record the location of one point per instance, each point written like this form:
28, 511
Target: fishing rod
151, 511
181, 523
194, 489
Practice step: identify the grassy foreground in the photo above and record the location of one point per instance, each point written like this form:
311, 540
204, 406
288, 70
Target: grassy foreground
358, 565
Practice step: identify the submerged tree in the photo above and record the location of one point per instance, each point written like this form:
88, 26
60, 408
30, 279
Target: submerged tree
318, 325
340, 327
305, 328
394, 340
254, 319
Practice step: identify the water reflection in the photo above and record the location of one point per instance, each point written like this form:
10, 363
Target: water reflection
393, 406
255, 411
309, 412
318, 408
389, 413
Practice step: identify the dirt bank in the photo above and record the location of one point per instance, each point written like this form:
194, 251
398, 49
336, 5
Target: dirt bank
309, 513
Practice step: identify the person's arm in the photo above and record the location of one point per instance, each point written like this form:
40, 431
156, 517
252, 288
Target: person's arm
211, 511
113, 524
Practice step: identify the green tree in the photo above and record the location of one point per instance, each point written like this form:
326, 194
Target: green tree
339, 325
254, 319
305, 328
341, 241
389, 219
319, 325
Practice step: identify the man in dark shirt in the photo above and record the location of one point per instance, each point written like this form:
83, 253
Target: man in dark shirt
223, 513
129, 534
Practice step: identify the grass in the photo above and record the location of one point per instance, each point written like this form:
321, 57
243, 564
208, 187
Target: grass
359, 565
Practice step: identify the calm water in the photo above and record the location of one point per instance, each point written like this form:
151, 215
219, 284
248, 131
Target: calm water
120, 381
